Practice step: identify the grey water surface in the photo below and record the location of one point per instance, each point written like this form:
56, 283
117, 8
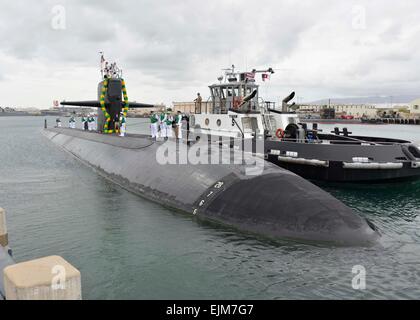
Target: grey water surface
130, 248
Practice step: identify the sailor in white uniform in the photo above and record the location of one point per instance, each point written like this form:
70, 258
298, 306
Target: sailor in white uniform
89, 120
93, 123
122, 125
178, 123
153, 125
84, 123
162, 125
72, 123
169, 121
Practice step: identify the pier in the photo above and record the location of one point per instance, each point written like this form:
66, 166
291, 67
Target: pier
48, 278
412, 121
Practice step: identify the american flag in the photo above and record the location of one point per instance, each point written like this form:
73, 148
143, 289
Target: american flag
249, 75
102, 61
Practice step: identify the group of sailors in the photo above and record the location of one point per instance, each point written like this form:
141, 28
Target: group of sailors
165, 125
162, 125
89, 123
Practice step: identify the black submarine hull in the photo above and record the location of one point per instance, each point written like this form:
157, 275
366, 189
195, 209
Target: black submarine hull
275, 203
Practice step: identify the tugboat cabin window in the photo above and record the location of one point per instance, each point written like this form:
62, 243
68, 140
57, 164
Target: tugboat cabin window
230, 96
250, 124
219, 95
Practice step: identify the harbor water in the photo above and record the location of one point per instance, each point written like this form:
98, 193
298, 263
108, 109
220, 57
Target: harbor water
129, 248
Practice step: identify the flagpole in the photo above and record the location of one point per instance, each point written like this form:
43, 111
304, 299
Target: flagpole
101, 62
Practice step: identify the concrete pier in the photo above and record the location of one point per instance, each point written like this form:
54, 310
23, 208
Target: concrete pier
412, 121
49, 278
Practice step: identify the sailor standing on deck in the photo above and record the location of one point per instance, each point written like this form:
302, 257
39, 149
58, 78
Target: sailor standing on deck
83, 122
178, 126
153, 125
117, 123
122, 124
162, 125
89, 120
198, 102
169, 121
92, 123
72, 123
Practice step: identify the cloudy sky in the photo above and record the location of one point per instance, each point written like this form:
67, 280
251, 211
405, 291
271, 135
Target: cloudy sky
170, 50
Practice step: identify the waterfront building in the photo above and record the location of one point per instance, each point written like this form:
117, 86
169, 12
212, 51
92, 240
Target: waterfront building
356, 110
141, 112
414, 107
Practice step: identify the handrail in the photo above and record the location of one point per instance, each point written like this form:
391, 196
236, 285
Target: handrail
318, 141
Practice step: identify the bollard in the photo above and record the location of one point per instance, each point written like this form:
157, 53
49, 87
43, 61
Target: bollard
45, 123
49, 278
4, 241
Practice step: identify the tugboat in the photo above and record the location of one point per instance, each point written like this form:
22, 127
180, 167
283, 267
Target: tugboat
236, 111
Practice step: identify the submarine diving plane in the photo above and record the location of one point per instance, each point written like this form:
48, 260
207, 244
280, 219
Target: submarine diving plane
235, 110
274, 203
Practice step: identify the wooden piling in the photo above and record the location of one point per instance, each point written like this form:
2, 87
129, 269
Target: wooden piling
4, 240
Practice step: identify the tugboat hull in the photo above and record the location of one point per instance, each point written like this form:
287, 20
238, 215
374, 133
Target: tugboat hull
347, 162
275, 203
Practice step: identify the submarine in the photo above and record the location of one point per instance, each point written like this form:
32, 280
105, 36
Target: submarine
251, 196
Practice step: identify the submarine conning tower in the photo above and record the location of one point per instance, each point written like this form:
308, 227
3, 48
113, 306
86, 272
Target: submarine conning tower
112, 98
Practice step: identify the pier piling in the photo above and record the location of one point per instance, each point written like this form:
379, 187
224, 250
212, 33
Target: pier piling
4, 241
49, 278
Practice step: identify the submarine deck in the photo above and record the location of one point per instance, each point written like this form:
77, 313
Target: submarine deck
130, 141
